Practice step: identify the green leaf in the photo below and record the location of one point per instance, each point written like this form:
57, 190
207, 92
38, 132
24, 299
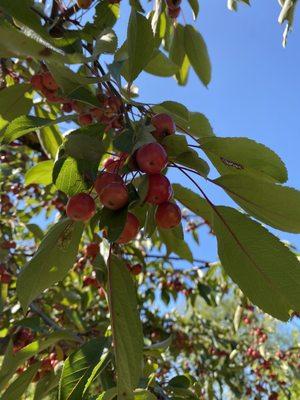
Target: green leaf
55, 256
275, 205
13, 102
263, 267
13, 360
197, 53
105, 17
175, 145
27, 123
50, 136
191, 159
25, 42
74, 176
45, 385
40, 173
199, 125
180, 381
85, 143
140, 43
107, 42
193, 202
174, 244
232, 154
178, 55
108, 394
195, 7
98, 368
177, 111
142, 394
77, 369
19, 386
114, 222
126, 327
161, 65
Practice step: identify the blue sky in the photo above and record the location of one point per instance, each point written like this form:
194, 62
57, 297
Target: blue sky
254, 90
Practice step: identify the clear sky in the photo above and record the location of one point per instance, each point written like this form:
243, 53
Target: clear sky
255, 89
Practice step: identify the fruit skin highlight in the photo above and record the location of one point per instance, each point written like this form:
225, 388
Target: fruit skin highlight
131, 229
168, 215
151, 158
159, 189
114, 196
81, 207
163, 124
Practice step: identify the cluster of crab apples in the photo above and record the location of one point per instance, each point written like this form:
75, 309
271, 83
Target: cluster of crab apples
109, 113
150, 159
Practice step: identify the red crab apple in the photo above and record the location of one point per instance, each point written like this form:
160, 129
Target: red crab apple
49, 82
114, 196
174, 12
84, 4
130, 230
159, 189
106, 178
163, 124
136, 269
81, 207
91, 250
168, 215
36, 82
85, 119
151, 158
172, 4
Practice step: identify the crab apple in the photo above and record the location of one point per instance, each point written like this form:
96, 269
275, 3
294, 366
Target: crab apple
168, 215
106, 178
151, 158
85, 119
67, 107
130, 230
5, 277
136, 269
81, 207
84, 4
49, 82
97, 113
36, 82
159, 189
172, 4
174, 12
91, 250
114, 196
163, 124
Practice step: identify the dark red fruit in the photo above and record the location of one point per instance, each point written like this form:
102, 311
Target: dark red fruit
5, 277
163, 124
106, 178
114, 196
81, 207
159, 189
84, 4
172, 4
130, 230
49, 82
67, 107
173, 13
168, 215
91, 250
36, 82
151, 158
85, 119
136, 269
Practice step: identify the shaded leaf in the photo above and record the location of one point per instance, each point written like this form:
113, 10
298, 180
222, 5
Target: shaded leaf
13, 102
263, 267
161, 65
126, 327
54, 257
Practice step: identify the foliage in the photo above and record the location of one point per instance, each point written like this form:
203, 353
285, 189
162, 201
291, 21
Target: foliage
86, 313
